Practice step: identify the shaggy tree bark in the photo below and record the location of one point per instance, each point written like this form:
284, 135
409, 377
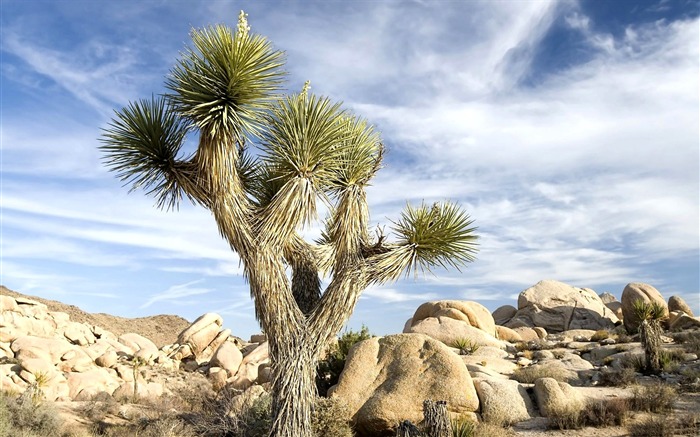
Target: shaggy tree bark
436, 418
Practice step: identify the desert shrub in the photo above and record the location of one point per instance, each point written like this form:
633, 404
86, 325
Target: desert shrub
559, 354
526, 354
693, 345
655, 398
463, 428
600, 335
528, 375
608, 412
635, 362
618, 378
25, 416
653, 426
330, 418
565, 418
689, 424
328, 371
690, 380
465, 346
670, 359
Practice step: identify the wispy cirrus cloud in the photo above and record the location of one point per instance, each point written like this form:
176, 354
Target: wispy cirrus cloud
176, 293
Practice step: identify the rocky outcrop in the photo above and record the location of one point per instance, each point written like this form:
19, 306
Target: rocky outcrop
633, 292
557, 307
452, 320
676, 303
387, 379
503, 314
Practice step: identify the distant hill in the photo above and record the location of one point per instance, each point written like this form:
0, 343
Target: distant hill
161, 329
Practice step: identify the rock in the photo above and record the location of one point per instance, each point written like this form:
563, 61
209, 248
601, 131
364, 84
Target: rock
227, 357
500, 365
554, 397
143, 348
540, 331
386, 379
633, 292
684, 321
79, 334
258, 338
503, 401
507, 334
558, 307
503, 314
676, 303
248, 370
92, 382
218, 378
208, 351
607, 298
201, 332
575, 335
472, 313
75, 360
8, 303
449, 330
526, 334
108, 359
47, 349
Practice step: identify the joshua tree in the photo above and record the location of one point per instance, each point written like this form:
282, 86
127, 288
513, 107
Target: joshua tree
650, 316
225, 90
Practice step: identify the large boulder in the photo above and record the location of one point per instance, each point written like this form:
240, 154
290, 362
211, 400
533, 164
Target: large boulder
503, 314
503, 401
633, 292
228, 357
201, 333
557, 307
386, 380
247, 373
48, 349
453, 320
554, 397
449, 331
676, 303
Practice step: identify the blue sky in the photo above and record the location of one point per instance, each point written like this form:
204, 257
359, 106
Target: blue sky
569, 131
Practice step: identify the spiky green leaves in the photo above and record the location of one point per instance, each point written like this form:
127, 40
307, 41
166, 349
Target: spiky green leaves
141, 145
648, 310
223, 85
441, 235
313, 138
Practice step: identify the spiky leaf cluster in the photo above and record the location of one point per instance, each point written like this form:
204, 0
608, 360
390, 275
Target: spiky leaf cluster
141, 145
441, 235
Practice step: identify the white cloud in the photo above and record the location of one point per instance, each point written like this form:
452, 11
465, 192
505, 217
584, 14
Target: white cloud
391, 295
176, 293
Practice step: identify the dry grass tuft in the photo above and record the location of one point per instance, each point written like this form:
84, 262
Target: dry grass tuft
655, 398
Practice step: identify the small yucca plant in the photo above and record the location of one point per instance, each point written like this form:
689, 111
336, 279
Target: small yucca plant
465, 346
650, 316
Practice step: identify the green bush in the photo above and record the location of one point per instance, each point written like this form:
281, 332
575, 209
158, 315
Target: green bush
330, 418
328, 371
600, 335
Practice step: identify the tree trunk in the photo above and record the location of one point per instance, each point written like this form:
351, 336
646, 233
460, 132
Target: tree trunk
437, 421
293, 389
650, 337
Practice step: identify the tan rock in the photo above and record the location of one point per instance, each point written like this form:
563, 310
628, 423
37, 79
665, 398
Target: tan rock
142, 347
499, 365
507, 334
247, 373
554, 397
79, 334
503, 401
228, 357
676, 303
633, 292
107, 359
472, 313
75, 360
540, 331
48, 349
213, 346
217, 377
503, 314
201, 332
557, 307
684, 321
8, 334
527, 334
96, 380
258, 338
8, 303
386, 379
449, 330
